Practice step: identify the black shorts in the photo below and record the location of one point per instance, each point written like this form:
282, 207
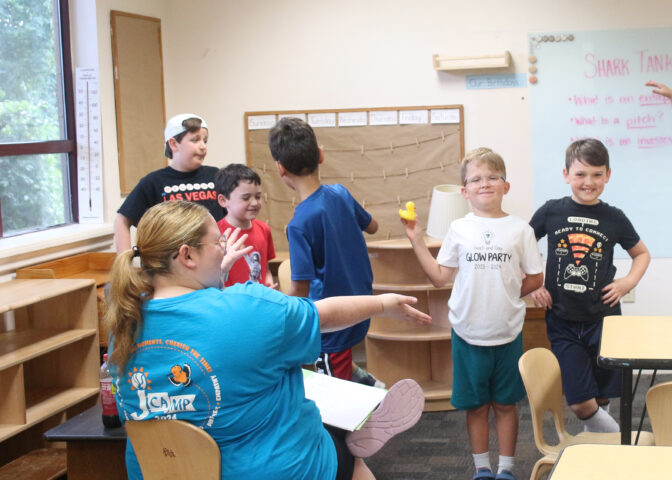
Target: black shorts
346, 461
576, 346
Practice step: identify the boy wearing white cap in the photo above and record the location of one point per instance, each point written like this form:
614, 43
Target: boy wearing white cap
186, 178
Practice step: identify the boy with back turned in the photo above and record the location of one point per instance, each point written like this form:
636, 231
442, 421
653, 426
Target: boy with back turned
327, 250
580, 287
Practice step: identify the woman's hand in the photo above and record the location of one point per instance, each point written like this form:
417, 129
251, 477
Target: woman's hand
399, 306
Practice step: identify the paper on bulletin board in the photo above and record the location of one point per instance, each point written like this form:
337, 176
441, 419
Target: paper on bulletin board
352, 119
445, 115
317, 120
591, 84
260, 122
411, 117
383, 117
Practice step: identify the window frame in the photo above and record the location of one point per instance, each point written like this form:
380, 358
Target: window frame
68, 145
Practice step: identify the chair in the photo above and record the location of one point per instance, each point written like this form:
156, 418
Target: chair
658, 400
285, 276
540, 372
174, 449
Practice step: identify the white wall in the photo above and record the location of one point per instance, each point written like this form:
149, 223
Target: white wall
225, 57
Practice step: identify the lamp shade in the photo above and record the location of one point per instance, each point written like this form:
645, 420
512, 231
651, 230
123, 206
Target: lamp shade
447, 205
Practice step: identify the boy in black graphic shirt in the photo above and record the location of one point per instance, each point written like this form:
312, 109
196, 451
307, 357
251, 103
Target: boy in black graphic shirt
186, 178
580, 288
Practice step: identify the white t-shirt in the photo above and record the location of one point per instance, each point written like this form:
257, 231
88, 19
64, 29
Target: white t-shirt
491, 255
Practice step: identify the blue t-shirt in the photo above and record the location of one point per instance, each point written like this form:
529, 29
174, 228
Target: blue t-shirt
327, 247
229, 362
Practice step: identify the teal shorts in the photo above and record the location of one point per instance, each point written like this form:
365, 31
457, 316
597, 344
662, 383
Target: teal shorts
486, 374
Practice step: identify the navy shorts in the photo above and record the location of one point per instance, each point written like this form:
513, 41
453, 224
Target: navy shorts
576, 346
484, 374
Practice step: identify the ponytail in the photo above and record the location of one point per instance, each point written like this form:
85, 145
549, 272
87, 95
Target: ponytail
130, 286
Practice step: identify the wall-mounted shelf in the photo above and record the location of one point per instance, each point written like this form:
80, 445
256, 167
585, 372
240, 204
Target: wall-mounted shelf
500, 60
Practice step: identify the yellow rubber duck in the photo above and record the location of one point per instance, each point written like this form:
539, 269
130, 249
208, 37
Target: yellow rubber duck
409, 213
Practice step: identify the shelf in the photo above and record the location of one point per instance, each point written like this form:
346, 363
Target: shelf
412, 333
21, 293
404, 287
49, 356
95, 265
498, 60
436, 390
393, 262
402, 244
18, 347
43, 403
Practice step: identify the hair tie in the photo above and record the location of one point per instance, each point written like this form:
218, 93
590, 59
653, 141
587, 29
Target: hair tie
136, 251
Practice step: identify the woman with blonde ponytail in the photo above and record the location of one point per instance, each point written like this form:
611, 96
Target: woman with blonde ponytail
229, 361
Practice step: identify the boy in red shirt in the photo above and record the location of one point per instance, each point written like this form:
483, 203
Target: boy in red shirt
239, 193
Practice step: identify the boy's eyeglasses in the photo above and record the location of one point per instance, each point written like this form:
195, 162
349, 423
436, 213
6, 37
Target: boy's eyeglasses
221, 243
490, 180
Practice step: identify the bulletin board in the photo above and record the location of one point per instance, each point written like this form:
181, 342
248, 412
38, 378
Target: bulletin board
138, 95
591, 84
383, 156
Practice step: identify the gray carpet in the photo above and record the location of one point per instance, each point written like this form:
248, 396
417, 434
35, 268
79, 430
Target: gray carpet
438, 448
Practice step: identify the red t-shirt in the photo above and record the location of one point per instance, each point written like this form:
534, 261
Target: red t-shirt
253, 265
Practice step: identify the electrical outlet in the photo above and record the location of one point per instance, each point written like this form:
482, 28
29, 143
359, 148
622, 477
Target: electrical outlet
629, 297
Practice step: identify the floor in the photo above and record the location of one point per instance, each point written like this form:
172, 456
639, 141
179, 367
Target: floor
437, 448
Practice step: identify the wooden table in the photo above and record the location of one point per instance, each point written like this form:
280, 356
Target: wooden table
630, 342
93, 451
612, 462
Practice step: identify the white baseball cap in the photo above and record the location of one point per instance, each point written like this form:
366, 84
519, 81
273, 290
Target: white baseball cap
174, 125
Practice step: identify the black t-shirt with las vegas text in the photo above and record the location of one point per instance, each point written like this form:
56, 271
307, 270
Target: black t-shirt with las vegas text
168, 184
581, 240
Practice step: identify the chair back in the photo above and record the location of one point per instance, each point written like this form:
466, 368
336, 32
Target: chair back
174, 449
658, 400
540, 372
285, 276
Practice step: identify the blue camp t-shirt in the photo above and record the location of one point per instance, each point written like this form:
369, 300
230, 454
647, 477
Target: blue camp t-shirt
229, 362
327, 247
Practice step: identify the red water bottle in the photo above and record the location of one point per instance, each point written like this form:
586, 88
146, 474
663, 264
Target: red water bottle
107, 390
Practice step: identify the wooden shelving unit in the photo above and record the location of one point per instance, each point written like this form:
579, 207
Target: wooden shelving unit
95, 265
396, 349
48, 351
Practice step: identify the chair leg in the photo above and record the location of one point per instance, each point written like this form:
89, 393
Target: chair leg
543, 465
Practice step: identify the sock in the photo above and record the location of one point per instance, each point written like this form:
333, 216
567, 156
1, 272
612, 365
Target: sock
605, 406
358, 373
600, 421
482, 460
505, 463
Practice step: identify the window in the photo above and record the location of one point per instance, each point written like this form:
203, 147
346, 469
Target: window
37, 133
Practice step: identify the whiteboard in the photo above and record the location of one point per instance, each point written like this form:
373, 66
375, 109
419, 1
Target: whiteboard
591, 84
